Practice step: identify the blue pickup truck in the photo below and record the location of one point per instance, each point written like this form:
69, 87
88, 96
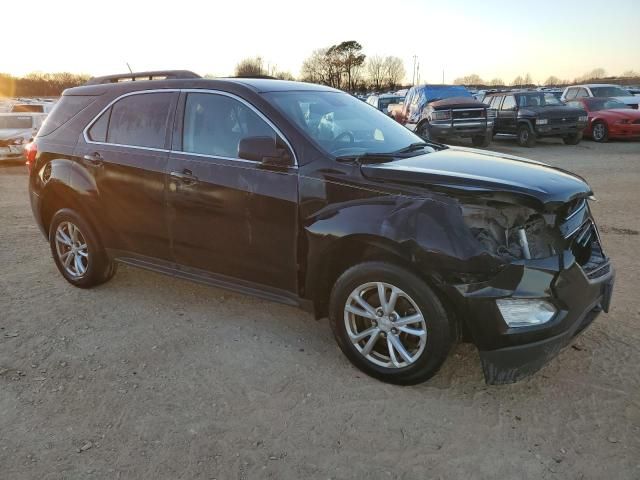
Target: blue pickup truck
443, 112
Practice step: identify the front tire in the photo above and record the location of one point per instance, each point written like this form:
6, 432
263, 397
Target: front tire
600, 132
572, 139
424, 131
526, 136
389, 323
77, 252
482, 140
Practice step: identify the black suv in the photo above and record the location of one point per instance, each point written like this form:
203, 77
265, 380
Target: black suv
304, 195
531, 115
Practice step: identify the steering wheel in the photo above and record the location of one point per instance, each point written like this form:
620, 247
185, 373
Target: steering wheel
346, 133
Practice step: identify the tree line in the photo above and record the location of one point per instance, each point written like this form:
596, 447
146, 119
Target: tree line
629, 77
39, 84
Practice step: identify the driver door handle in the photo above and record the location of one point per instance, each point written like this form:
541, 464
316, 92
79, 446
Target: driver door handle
94, 159
185, 176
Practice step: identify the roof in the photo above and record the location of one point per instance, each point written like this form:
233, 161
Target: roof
258, 85
595, 85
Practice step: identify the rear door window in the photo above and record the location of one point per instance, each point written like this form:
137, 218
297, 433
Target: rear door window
139, 120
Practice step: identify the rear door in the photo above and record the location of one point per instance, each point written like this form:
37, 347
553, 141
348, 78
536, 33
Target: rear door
227, 215
507, 114
126, 149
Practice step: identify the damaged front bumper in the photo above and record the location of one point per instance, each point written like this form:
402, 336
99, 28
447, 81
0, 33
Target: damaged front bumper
509, 354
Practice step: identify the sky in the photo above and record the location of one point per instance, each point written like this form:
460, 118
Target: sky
492, 38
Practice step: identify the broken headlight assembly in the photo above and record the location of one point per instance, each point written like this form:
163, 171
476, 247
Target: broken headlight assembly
513, 232
525, 312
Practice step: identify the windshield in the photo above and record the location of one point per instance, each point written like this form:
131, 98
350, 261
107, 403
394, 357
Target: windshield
439, 92
14, 121
609, 92
605, 104
538, 100
342, 125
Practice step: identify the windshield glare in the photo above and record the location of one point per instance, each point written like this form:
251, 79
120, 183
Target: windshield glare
609, 92
538, 100
16, 122
342, 125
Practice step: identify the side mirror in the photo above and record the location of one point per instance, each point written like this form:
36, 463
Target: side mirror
265, 150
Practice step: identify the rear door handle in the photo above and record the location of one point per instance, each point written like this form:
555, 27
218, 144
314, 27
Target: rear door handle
94, 159
186, 176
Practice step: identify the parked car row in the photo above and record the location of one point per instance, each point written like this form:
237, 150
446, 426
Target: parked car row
20, 120
447, 112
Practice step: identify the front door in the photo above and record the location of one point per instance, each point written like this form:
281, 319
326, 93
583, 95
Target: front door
229, 216
507, 115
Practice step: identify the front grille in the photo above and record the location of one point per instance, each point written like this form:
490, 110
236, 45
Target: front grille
468, 114
588, 252
562, 120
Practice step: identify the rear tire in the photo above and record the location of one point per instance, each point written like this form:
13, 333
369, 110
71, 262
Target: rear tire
404, 340
600, 132
482, 140
424, 131
77, 251
572, 139
526, 136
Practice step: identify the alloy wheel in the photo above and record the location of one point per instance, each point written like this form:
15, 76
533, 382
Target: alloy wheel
385, 325
72, 249
598, 131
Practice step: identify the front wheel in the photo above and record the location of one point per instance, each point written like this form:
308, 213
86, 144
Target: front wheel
389, 323
424, 131
572, 139
526, 137
77, 252
600, 132
482, 140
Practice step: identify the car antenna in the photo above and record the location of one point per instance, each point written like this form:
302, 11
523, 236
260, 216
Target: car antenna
130, 71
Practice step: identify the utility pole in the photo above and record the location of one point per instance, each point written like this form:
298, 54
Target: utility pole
413, 78
418, 73
443, 76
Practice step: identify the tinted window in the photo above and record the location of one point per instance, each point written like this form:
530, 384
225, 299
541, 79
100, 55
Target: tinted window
140, 120
509, 103
67, 108
98, 131
215, 124
611, 91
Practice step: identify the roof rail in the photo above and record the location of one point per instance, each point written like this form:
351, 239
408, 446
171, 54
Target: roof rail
153, 75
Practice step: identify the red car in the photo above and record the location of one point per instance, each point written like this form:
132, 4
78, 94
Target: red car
609, 118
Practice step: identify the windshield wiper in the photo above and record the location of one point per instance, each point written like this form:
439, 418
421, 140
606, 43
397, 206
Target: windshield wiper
368, 157
413, 147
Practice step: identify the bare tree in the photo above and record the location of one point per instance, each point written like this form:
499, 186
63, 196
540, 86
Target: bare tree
495, 82
375, 71
630, 74
250, 67
393, 71
518, 81
552, 80
472, 79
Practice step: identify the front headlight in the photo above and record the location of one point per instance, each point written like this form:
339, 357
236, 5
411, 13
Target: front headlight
583, 118
491, 113
441, 115
542, 121
525, 312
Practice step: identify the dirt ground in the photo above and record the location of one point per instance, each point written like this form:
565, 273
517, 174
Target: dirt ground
154, 377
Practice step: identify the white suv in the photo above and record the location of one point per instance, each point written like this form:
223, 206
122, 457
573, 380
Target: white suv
576, 92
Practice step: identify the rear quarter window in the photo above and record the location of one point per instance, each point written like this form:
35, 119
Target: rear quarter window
67, 108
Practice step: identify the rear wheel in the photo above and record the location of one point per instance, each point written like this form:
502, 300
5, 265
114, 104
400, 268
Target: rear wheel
389, 323
482, 140
77, 252
526, 137
600, 132
572, 139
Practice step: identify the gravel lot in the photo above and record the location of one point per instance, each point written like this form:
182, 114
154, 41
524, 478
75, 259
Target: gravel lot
153, 377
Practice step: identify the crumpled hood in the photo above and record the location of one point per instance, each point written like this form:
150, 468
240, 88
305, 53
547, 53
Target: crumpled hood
617, 113
480, 171
7, 133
